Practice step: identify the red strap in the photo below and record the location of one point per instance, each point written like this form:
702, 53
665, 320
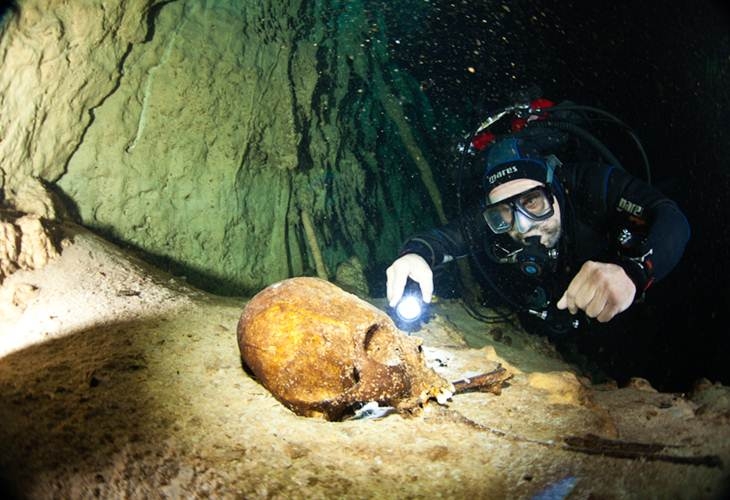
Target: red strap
482, 140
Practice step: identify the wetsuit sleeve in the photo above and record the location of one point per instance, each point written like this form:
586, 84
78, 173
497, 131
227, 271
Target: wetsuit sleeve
441, 245
649, 230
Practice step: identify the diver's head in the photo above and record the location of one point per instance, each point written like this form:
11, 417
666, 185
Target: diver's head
520, 201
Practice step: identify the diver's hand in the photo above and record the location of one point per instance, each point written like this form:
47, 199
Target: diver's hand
600, 289
411, 266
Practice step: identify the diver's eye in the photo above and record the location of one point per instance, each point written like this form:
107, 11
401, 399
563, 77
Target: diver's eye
535, 203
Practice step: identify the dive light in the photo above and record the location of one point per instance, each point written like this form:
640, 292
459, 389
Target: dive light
411, 308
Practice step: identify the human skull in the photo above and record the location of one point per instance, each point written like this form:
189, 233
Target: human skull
322, 351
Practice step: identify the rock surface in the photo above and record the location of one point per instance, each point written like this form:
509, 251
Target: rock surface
25, 243
60, 62
119, 381
201, 132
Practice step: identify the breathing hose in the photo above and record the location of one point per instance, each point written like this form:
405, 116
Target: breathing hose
583, 133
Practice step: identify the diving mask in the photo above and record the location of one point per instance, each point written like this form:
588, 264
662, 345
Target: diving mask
536, 204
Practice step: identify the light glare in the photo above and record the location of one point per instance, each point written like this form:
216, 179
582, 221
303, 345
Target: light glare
409, 308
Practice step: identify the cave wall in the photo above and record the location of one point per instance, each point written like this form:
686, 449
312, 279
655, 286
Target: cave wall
59, 62
205, 133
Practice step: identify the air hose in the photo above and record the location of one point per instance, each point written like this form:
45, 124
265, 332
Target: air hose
590, 138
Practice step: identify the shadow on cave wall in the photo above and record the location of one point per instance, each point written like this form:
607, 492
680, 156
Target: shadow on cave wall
192, 275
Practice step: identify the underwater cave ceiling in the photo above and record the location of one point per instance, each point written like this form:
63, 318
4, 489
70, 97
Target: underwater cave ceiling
235, 142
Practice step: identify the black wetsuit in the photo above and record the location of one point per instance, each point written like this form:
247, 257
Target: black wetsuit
607, 215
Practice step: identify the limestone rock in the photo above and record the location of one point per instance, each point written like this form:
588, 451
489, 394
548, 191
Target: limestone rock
351, 276
198, 132
59, 63
14, 299
562, 387
713, 399
31, 197
322, 351
25, 243
641, 384
9, 251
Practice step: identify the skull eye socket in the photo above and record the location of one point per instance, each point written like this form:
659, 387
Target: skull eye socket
381, 345
369, 334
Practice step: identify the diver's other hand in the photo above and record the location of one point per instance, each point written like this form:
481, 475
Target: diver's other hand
600, 289
411, 266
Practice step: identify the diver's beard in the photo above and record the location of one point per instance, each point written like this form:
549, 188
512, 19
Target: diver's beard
549, 233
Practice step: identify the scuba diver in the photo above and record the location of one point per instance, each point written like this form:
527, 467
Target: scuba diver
560, 242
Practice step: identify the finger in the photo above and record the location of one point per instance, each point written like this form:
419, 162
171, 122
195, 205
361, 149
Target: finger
567, 301
572, 307
616, 303
596, 305
609, 311
586, 300
396, 284
563, 302
427, 290
581, 290
424, 279
568, 298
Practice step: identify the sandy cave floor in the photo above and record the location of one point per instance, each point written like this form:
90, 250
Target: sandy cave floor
117, 380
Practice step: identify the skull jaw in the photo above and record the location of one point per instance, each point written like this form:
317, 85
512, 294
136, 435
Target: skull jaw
385, 385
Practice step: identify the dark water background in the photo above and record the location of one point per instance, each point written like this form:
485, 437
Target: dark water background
662, 67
